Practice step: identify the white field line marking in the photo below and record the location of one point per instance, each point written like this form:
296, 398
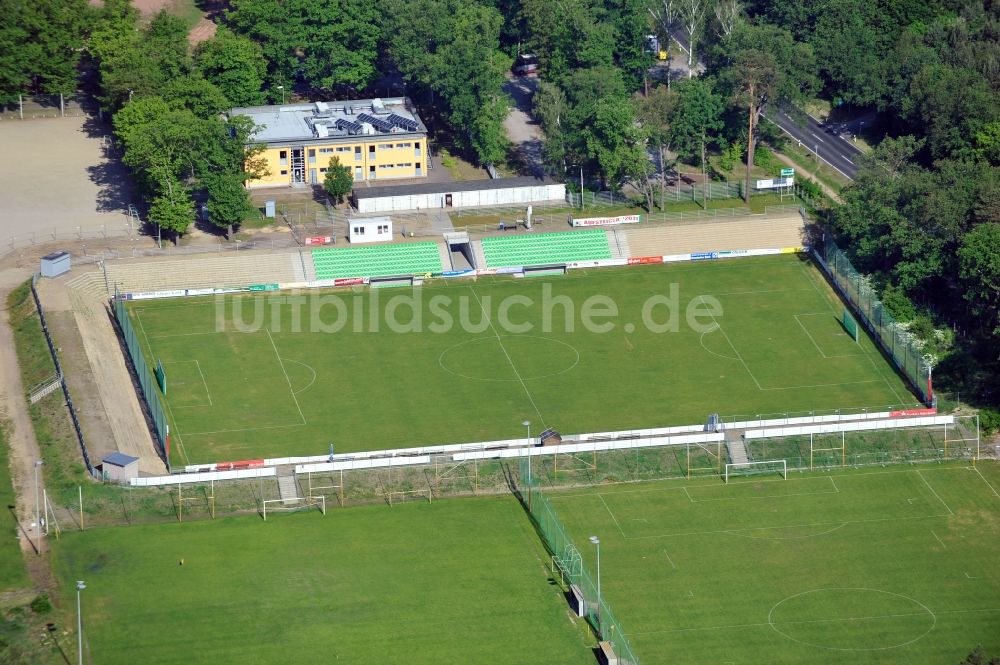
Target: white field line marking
203, 381
688, 494
808, 334
938, 538
308, 367
606, 507
180, 440
783, 623
247, 429
875, 366
934, 493
282, 363
732, 346
986, 481
672, 564
784, 526
509, 360
834, 484
765, 496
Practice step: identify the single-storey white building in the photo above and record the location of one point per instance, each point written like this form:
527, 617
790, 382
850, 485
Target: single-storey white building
465, 194
371, 229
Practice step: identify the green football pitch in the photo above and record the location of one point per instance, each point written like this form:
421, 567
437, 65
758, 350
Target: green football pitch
446, 582
895, 565
273, 375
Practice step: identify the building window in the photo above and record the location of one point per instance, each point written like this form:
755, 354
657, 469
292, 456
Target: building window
343, 148
327, 151
359, 230
284, 171
322, 169
383, 228
416, 149
385, 146
404, 145
357, 153
312, 155
358, 175
283, 157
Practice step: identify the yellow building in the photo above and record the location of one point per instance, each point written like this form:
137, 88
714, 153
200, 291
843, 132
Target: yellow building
380, 139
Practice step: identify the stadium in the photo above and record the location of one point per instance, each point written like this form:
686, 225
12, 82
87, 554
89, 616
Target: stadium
676, 403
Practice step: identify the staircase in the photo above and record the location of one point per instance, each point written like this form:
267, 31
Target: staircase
736, 450
288, 488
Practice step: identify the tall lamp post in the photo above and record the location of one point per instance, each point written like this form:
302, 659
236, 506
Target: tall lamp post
527, 425
580, 166
80, 586
282, 89
38, 522
597, 543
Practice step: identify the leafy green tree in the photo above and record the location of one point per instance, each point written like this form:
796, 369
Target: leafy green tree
979, 270
236, 65
194, 93
228, 201
761, 65
656, 113
339, 180
695, 119
614, 140
173, 209
322, 44
40, 46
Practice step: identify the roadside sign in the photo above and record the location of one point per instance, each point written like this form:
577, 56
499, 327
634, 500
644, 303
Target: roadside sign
787, 173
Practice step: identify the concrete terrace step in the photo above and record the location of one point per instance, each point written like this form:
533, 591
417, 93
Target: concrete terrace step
229, 270
288, 489
755, 232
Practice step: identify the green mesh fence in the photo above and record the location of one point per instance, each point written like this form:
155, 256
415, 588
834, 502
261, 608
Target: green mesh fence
147, 382
570, 562
890, 335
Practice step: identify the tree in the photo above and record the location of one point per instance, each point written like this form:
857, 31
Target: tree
322, 44
236, 65
655, 113
692, 15
195, 94
339, 180
173, 209
40, 46
763, 64
228, 201
695, 119
613, 139
979, 270
728, 13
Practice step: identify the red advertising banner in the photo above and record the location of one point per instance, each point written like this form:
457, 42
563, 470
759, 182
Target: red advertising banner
242, 464
912, 412
318, 240
640, 260
602, 221
348, 281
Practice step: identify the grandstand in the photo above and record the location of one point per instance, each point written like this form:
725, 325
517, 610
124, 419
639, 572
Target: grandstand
234, 270
754, 232
415, 258
533, 249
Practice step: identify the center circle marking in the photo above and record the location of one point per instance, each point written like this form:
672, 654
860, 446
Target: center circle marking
573, 357
918, 609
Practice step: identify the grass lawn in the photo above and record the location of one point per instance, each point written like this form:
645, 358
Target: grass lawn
859, 567
460, 581
396, 374
13, 575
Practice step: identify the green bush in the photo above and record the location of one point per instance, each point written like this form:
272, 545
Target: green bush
989, 420
766, 160
732, 156
809, 187
41, 604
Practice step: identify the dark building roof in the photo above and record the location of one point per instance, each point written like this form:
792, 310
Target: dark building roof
119, 459
449, 187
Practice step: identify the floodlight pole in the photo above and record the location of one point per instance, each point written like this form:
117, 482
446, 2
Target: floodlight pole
80, 586
38, 523
282, 89
527, 425
597, 543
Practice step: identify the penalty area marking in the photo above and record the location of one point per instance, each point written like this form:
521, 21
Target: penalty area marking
936, 495
203, 382
813, 339
285, 372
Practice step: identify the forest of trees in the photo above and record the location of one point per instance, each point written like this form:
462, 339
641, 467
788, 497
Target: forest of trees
922, 217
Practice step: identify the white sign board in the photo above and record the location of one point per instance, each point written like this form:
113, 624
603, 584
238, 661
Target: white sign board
604, 221
775, 183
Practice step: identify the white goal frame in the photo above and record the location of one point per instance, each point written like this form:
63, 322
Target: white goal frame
318, 500
744, 465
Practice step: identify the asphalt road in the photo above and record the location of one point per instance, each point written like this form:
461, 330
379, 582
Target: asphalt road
829, 142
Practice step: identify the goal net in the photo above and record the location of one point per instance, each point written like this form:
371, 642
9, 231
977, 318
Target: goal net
764, 467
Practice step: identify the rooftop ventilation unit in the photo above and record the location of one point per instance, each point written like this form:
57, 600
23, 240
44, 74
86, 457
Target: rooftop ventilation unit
378, 107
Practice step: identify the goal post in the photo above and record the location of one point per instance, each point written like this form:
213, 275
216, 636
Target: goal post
762, 467
309, 502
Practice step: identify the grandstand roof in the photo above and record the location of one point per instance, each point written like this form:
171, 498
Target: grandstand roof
445, 187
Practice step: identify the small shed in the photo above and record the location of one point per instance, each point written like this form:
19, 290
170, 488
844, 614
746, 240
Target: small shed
119, 467
371, 229
55, 264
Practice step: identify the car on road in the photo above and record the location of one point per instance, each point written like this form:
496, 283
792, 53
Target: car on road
525, 65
